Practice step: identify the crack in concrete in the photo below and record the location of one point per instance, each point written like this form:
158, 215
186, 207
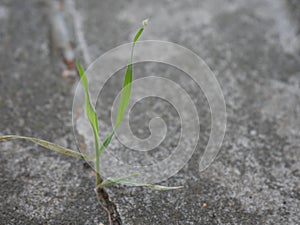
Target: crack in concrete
78, 29
110, 206
62, 39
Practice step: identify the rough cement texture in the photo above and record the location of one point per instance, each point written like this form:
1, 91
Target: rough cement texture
252, 46
37, 186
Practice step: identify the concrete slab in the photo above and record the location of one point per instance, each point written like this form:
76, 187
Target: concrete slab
252, 46
37, 186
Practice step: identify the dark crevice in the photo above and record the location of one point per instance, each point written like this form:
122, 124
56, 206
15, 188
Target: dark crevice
63, 46
115, 216
106, 202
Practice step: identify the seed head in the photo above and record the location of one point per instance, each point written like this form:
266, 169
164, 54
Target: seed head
145, 22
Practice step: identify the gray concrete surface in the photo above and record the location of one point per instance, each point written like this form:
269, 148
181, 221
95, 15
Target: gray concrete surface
37, 186
252, 46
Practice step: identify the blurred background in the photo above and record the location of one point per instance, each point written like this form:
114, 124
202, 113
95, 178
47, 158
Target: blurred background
253, 47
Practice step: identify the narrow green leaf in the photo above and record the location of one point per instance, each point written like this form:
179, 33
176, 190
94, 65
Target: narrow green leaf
150, 186
125, 95
106, 142
138, 34
162, 188
126, 90
48, 145
93, 119
110, 181
124, 180
91, 114
108, 139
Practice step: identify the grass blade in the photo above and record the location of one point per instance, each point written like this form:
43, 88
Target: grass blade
162, 188
91, 113
48, 145
125, 95
126, 90
93, 119
110, 181
124, 180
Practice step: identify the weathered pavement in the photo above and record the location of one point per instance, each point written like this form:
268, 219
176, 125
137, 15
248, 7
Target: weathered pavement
252, 46
37, 186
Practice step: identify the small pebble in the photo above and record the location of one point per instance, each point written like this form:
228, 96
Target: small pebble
82, 146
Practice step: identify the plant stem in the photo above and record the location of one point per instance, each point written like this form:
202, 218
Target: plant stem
97, 160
